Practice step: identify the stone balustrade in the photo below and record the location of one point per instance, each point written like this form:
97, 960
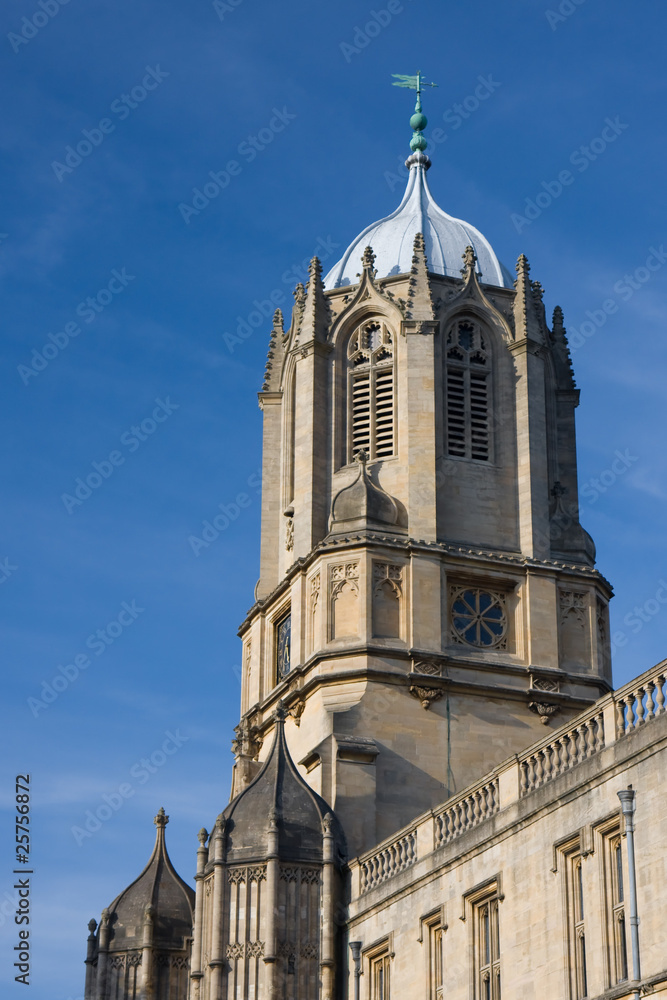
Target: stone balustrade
641, 700
556, 756
389, 860
466, 812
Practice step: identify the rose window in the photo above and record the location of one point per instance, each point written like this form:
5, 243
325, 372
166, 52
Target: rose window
479, 617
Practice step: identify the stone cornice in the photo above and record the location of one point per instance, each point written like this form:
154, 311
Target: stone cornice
301, 682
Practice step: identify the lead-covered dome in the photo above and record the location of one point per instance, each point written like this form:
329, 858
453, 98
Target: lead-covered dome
445, 238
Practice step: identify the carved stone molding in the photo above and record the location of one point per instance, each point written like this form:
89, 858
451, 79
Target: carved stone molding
248, 742
289, 534
551, 684
572, 606
544, 709
429, 666
426, 694
296, 710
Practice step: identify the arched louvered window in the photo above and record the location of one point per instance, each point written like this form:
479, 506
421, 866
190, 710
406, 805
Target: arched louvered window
370, 392
468, 392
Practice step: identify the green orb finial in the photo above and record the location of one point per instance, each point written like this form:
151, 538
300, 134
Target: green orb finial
418, 121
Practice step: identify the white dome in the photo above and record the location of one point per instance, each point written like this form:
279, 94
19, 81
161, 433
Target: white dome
392, 239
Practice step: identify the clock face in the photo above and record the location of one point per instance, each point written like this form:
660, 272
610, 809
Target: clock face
284, 642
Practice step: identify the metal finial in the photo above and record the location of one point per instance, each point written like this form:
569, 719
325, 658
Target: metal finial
419, 121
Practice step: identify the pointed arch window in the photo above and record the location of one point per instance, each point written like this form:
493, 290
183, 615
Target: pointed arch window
371, 417
468, 392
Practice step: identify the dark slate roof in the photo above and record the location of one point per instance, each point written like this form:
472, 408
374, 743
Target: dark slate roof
278, 790
161, 887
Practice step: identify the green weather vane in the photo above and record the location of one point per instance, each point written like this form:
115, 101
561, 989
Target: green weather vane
419, 121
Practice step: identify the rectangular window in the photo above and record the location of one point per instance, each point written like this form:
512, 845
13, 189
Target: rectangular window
482, 907
361, 413
617, 947
487, 950
436, 979
377, 960
380, 975
384, 412
479, 416
575, 910
283, 645
456, 413
372, 412
432, 929
370, 365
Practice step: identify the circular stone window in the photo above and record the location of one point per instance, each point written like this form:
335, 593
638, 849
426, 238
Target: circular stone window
479, 618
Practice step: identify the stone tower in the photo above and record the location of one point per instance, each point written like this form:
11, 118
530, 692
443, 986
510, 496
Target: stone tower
428, 599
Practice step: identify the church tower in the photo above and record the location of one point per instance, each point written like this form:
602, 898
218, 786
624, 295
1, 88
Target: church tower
428, 599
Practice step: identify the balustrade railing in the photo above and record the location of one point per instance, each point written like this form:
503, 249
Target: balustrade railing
565, 751
467, 812
388, 861
641, 703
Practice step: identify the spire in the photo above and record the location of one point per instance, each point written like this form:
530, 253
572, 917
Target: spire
561, 350
315, 321
420, 303
299, 294
521, 302
275, 355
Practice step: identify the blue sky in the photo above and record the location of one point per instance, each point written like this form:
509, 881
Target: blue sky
577, 88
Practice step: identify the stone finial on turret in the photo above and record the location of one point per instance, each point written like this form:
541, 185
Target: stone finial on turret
161, 819
469, 258
561, 351
420, 302
315, 320
368, 261
275, 355
521, 301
